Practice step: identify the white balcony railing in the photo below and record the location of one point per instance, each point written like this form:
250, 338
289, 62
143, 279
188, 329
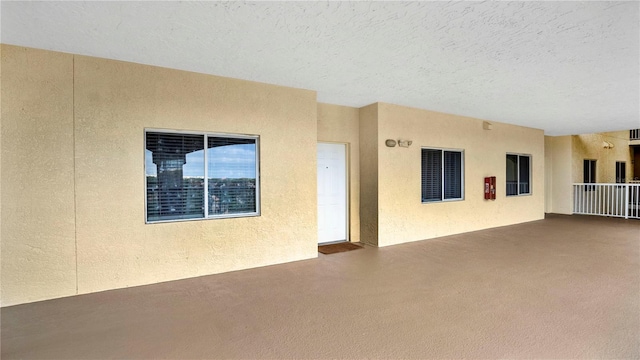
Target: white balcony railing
618, 200
634, 134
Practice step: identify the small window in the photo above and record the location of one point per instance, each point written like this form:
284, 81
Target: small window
518, 174
176, 185
589, 174
442, 175
621, 172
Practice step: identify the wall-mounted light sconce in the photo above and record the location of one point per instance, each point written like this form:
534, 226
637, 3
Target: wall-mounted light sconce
390, 143
405, 143
607, 145
487, 125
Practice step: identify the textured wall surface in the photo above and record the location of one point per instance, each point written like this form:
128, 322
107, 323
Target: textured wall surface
114, 103
38, 218
403, 217
369, 174
73, 173
548, 179
559, 174
591, 146
341, 124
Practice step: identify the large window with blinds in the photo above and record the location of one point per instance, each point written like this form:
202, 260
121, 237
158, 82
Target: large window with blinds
200, 176
518, 174
442, 175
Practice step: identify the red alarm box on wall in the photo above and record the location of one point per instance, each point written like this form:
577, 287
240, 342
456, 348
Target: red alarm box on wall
490, 188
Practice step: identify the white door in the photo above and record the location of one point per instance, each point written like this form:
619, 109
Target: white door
332, 192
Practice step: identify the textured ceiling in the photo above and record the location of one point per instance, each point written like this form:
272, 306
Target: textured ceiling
565, 67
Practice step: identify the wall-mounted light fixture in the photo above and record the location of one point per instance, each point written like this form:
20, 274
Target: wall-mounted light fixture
390, 143
607, 145
404, 143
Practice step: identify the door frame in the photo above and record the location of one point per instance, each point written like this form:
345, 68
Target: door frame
347, 192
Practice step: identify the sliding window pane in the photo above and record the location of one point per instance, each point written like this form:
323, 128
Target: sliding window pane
431, 175
524, 175
232, 175
512, 175
452, 175
174, 166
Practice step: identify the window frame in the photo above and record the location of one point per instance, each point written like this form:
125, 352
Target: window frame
206, 135
593, 168
442, 175
620, 166
519, 155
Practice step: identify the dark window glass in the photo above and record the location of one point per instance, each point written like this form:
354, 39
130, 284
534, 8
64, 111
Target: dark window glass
589, 174
524, 174
175, 176
512, 175
518, 174
442, 173
621, 172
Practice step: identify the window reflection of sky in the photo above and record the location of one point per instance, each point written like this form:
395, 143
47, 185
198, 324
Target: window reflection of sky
231, 161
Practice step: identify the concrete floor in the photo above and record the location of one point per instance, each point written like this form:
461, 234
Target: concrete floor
564, 287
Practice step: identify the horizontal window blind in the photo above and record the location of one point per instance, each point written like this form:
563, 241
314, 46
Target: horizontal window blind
452, 175
174, 177
431, 175
442, 175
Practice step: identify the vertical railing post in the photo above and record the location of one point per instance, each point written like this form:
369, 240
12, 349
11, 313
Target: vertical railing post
626, 201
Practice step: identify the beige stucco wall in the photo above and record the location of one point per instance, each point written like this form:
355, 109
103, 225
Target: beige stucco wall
548, 180
75, 122
38, 217
558, 174
369, 174
403, 217
590, 146
78, 123
341, 124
